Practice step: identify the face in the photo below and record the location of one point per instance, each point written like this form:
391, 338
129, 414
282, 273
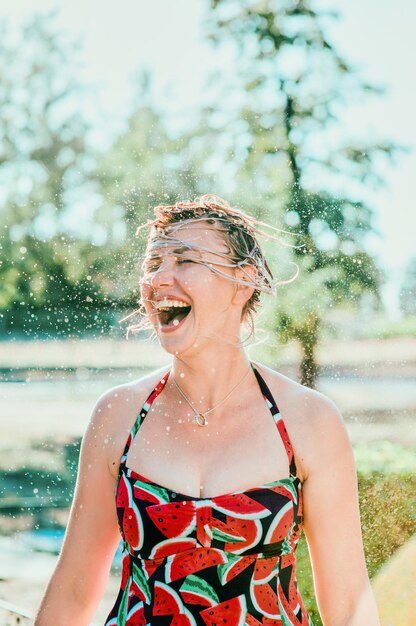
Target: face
208, 306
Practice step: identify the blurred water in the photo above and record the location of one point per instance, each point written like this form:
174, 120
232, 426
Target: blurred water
61, 406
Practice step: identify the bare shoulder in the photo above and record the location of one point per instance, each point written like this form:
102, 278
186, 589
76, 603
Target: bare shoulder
126, 395
114, 413
313, 420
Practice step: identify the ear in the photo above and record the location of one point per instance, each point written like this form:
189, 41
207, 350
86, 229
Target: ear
244, 292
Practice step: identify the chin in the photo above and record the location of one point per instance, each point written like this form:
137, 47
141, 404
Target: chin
176, 346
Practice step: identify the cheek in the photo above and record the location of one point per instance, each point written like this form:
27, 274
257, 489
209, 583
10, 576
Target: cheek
145, 288
146, 294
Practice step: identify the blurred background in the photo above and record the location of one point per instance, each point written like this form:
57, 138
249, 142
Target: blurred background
298, 111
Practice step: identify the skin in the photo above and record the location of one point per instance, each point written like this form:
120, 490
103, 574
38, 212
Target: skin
240, 430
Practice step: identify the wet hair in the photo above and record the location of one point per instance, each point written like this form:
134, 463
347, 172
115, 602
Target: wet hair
240, 233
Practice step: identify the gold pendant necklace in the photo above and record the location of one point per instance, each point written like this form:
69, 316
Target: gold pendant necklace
201, 416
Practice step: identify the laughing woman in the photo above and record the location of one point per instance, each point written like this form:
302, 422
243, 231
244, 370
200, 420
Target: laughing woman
210, 468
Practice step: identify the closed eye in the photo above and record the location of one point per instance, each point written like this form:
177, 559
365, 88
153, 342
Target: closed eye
153, 267
180, 261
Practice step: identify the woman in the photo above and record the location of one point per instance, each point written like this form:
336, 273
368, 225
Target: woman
232, 460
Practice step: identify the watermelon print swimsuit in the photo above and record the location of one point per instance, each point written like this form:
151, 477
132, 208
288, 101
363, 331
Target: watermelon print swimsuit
228, 560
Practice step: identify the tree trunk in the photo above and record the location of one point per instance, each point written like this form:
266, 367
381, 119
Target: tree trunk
308, 339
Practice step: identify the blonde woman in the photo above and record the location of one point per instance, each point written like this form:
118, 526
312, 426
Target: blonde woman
210, 468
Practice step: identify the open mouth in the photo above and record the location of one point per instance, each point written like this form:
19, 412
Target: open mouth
173, 316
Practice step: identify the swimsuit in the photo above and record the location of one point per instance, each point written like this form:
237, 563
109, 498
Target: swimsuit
228, 560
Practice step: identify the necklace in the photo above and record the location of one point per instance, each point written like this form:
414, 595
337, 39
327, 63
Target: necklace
198, 415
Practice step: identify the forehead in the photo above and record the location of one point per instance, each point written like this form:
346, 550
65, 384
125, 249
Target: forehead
192, 235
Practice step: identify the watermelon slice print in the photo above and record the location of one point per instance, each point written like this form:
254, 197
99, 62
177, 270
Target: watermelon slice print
173, 519
124, 603
133, 527
166, 601
265, 600
225, 532
140, 587
250, 532
123, 494
234, 566
191, 561
240, 505
183, 619
252, 621
171, 546
295, 601
125, 570
149, 566
287, 615
265, 569
281, 524
196, 590
203, 524
150, 492
300, 508
231, 612
135, 617
286, 488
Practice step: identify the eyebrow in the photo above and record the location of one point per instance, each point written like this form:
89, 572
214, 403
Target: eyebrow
182, 249
177, 251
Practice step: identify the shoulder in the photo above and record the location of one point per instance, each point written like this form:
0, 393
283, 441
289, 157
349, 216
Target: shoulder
313, 420
125, 396
115, 412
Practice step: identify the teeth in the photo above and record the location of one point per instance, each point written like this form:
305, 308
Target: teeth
165, 305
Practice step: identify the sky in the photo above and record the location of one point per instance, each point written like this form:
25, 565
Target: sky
167, 37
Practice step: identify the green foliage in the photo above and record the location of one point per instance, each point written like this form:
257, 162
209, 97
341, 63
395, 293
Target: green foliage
292, 82
144, 167
388, 514
44, 166
43, 152
256, 150
388, 520
53, 282
384, 457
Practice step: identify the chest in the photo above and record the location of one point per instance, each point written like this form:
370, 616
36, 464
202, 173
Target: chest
235, 451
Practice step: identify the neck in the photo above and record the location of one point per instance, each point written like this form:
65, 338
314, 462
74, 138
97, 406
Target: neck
206, 379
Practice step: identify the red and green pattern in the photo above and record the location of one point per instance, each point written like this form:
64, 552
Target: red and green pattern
190, 561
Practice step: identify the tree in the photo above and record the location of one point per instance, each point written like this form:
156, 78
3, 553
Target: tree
148, 164
45, 162
295, 84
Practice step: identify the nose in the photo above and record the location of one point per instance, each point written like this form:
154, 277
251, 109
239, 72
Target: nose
163, 276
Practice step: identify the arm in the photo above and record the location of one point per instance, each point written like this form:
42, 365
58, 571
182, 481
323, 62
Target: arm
332, 523
92, 536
